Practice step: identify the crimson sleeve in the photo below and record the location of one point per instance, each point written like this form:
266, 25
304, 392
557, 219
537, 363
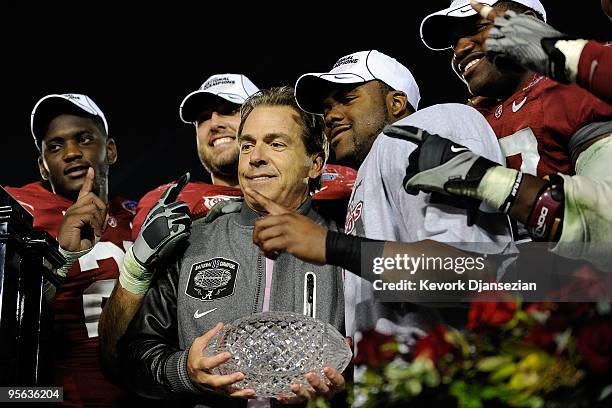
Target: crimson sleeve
595, 70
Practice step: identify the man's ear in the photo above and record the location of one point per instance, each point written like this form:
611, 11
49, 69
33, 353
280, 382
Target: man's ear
111, 151
44, 173
316, 169
397, 104
531, 13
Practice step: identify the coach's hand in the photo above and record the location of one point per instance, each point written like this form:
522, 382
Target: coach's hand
85, 220
326, 387
284, 231
200, 367
440, 165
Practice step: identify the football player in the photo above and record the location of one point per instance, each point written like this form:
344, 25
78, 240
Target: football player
545, 129
93, 230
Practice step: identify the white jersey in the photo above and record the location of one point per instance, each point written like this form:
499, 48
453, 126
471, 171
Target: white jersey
381, 209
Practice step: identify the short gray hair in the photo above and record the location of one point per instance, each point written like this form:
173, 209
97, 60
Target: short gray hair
312, 125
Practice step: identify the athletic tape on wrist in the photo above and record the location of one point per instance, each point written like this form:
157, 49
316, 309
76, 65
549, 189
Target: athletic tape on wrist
71, 258
134, 277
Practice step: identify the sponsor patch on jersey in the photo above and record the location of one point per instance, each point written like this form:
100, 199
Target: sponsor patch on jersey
212, 279
130, 206
210, 201
329, 176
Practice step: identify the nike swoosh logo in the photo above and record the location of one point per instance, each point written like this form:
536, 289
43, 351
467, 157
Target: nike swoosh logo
456, 149
516, 107
197, 315
343, 76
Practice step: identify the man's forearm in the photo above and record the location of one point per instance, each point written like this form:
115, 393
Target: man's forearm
116, 316
355, 253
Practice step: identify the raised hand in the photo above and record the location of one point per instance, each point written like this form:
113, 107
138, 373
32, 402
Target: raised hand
84, 220
526, 40
167, 223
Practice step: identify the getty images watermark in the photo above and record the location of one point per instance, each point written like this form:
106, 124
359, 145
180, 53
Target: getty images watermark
530, 271
442, 268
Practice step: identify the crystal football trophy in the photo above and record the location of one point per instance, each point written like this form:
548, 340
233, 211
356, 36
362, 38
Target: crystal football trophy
276, 349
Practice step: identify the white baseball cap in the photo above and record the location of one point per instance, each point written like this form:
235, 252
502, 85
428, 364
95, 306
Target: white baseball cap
235, 88
50, 106
436, 27
360, 67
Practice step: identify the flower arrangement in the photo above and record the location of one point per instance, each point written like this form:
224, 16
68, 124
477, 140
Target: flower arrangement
511, 354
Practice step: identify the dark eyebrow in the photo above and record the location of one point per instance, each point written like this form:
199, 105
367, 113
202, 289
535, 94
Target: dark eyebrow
59, 139
267, 137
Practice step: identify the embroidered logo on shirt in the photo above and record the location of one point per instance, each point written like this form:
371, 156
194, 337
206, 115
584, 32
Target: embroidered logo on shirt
212, 279
499, 111
352, 215
130, 206
517, 106
197, 314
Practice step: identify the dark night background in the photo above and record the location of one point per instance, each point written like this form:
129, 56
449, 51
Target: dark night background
138, 66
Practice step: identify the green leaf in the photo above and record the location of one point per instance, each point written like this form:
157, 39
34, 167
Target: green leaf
489, 392
414, 386
503, 372
492, 363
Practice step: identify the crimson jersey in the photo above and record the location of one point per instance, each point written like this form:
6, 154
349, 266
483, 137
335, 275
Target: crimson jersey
337, 184
79, 301
542, 125
595, 69
199, 196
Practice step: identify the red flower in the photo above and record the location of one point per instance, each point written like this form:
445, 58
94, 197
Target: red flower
542, 336
490, 314
434, 344
595, 346
371, 350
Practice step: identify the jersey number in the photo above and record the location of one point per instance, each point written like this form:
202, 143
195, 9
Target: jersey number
524, 144
98, 290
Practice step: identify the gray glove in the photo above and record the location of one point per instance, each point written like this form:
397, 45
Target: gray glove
438, 164
166, 224
529, 42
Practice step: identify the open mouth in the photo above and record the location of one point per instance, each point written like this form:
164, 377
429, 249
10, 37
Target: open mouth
469, 63
77, 171
221, 141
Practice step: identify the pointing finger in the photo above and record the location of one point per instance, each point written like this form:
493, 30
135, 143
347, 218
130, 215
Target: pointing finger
88, 183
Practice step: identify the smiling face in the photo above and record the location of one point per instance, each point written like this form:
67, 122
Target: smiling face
273, 159
71, 145
216, 138
482, 75
354, 117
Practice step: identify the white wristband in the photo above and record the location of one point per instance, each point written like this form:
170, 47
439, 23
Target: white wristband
134, 277
71, 257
